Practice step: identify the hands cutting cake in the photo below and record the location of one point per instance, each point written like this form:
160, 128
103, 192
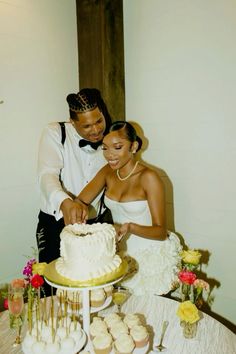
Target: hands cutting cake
74, 211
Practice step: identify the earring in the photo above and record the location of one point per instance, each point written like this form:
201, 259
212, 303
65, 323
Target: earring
134, 151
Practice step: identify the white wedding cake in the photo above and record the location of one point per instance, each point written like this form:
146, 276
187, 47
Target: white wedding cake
87, 251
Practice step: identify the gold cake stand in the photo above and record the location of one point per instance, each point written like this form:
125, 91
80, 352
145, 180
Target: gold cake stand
57, 281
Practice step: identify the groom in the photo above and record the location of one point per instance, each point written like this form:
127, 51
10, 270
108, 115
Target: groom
70, 155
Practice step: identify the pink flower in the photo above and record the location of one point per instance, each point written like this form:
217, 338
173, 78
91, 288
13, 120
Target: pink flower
28, 268
37, 281
187, 277
202, 284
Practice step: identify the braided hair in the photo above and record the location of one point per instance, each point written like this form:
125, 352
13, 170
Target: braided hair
87, 100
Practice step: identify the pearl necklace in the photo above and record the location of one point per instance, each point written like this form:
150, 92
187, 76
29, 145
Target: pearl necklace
126, 177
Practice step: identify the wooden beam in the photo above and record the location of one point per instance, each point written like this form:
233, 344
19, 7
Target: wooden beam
101, 51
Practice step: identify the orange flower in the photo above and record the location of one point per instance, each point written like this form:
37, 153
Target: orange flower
18, 283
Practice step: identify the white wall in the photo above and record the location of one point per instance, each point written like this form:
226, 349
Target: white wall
180, 67
180, 85
38, 68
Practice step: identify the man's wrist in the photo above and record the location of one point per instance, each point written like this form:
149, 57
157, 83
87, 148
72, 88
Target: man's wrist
64, 202
78, 200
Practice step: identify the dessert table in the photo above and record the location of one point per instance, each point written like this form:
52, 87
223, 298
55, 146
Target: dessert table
212, 336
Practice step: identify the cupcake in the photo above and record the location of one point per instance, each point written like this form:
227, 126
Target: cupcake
108, 290
118, 328
140, 336
97, 297
111, 319
124, 344
102, 344
131, 320
97, 327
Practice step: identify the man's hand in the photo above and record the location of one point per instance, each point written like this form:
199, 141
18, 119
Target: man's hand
121, 231
74, 212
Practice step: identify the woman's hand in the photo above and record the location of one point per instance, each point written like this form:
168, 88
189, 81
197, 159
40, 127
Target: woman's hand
74, 212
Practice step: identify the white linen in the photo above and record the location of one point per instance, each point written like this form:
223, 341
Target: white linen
212, 336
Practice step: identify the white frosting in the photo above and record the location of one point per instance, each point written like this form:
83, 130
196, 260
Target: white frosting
111, 319
98, 327
97, 295
131, 320
102, 341
87, 251
124, 343
139, 333
118, 328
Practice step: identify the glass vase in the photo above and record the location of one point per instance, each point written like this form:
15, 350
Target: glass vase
189, 329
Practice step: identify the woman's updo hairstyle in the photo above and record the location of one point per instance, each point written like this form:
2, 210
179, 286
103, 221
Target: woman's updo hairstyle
128, 130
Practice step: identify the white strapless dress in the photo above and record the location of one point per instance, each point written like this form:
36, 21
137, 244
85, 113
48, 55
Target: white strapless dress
157, 261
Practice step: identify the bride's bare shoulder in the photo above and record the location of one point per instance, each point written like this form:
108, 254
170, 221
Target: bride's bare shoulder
150, 175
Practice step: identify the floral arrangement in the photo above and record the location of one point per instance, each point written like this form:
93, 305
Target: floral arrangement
191, 287
32, 285
33, 271
192, 291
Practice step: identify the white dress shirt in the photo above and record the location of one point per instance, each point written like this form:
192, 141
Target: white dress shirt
76, 165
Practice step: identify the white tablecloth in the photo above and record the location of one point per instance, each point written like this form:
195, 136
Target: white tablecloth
212, 337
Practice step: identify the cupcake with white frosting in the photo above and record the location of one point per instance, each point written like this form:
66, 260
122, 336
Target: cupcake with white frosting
124, 344
140, 336
131, 320
102, 343
111, 319
97, 327
97, 297
119, 328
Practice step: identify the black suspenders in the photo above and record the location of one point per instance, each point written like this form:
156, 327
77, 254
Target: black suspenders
63, 138
63, 132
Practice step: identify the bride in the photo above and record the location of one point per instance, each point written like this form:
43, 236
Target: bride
135, 195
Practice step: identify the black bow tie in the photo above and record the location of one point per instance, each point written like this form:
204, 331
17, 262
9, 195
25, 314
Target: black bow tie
84, 142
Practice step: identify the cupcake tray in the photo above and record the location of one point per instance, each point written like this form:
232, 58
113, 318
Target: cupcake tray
56, 281
93, 309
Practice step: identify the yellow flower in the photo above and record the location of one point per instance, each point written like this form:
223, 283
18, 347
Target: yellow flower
188, 312
39, 268
191, 257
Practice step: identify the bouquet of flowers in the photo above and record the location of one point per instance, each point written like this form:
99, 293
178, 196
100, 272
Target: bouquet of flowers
33, 272
191, 287
192, 290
